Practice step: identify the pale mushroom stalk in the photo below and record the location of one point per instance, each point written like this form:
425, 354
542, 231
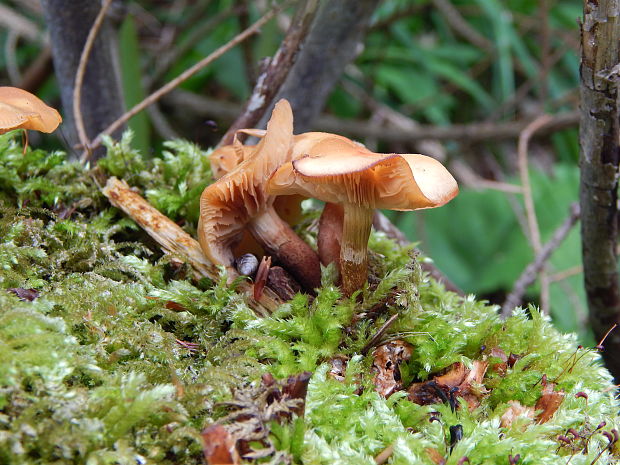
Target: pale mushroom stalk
354, 246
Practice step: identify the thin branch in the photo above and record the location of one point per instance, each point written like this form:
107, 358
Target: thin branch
180, 79
530, 211
10, 56
462, 27
529, 274
271, 79
357, 129
81, 71
175, 241
20, 25
166, 60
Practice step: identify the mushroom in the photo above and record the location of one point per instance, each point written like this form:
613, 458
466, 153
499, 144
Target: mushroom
19, 109
338, 170
238, 201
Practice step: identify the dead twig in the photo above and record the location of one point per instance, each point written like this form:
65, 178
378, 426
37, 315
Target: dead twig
175, 241
273, 76
461, 26
357, 129
167, 59
20, 25
530, 211
179, 79
533, 269
81, 71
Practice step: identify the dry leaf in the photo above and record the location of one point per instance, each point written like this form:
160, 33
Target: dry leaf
219, 446
458, 381
387, 359
515, 410
435, 456
549, 402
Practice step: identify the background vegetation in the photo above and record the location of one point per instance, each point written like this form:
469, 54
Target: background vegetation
424, 62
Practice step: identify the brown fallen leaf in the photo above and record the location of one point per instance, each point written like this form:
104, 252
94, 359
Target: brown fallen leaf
453, 377
386, 365
27, 295
471, 389
515, 410
548, 402
219, 446
436, 456
458, 381
261, 277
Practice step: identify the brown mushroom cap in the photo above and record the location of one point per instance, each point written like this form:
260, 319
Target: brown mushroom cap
20, 109
238, 202
339, 170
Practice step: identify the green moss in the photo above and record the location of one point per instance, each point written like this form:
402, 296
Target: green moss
123, 359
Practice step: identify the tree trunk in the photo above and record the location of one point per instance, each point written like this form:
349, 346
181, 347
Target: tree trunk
600, 151
69, 22
333, 42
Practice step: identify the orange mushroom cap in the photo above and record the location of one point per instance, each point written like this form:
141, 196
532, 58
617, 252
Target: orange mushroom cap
339, 170
19, 109
238, 202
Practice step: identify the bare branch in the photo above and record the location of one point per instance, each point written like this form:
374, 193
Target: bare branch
462, 27
81, 70
530, 211
599, 134
271, 79
20, 25
530, 272
472, 132
179, 79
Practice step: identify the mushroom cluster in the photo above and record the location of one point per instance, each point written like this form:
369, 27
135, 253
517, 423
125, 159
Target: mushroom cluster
352, 180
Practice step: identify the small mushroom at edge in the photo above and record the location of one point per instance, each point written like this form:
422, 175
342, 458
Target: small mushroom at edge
19, 109
338, 170
238, 201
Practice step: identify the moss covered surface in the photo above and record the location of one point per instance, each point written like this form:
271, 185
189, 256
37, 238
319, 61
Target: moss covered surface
114, 355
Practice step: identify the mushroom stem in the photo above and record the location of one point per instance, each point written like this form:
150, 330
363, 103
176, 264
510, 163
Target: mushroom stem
286, 247
354, 247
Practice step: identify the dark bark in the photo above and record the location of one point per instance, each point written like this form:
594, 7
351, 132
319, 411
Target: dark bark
332, 43
600, 55
69, 22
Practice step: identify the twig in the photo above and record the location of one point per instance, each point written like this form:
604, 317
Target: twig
179, 79
175, 241
530, 211
81, 71
20, 25
271, 79
379, 334
38, 71
462, 27
10, 56
164, 62
384, 455
565, 274
472, 132
160, 123
529, 274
